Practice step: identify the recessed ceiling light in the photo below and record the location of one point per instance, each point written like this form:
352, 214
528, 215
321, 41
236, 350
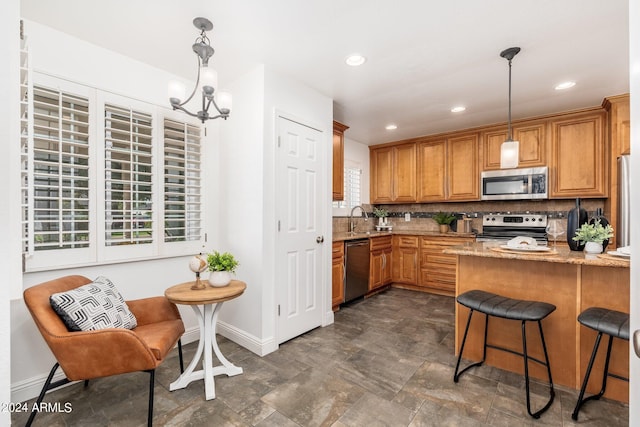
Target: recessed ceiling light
458, 109
565, 85
391, 127
355, 60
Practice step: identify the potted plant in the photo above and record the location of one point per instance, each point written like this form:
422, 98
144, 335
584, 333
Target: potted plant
381, 214
592, 236
221, 266
444, 219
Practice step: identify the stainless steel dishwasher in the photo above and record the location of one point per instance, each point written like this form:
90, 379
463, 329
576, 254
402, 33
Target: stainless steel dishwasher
357, 269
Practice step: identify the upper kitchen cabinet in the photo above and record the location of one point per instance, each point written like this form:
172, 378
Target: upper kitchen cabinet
432, 165
619, 124
578, 166
393, 174
448, 169
338, 160
462, 162
533, 145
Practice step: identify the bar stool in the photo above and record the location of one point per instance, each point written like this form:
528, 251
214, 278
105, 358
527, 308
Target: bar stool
614, 324
508, 308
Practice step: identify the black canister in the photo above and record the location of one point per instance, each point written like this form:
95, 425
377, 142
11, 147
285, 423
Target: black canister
604, 222
575, 218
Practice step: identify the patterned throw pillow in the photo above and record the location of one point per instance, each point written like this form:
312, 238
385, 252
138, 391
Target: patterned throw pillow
96, 305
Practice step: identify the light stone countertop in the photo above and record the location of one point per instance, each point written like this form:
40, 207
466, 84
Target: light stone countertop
561, 255
344, 236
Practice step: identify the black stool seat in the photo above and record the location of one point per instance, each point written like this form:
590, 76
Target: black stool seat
610, 322
507, 308
524, 311
613, 323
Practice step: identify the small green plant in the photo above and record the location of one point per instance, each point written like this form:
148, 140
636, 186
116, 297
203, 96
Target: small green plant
595, 232
222, 262
380, 212
444, 218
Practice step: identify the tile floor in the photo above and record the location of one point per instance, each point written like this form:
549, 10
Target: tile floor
386, 361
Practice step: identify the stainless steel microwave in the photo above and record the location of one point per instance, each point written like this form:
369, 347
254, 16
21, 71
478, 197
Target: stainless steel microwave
515, 184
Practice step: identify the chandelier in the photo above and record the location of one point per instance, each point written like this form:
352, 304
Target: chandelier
206, 81
509, 150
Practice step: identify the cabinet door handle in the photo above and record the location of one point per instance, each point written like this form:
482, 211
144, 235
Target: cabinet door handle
384, 260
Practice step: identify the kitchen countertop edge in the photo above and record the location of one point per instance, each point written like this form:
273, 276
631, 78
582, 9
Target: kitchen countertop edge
563, 256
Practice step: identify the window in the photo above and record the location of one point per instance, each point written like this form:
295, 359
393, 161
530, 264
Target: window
182, 182
352, 179
60, 178
128, 175
121, 184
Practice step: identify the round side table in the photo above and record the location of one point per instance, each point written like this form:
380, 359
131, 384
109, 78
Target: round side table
211, 300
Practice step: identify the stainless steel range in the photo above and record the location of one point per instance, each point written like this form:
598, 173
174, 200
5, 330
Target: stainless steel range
503, 227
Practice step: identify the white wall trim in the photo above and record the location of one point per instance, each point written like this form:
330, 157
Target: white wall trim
246, 340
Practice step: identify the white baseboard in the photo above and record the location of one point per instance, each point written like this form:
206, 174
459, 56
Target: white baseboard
30, 388
246, 340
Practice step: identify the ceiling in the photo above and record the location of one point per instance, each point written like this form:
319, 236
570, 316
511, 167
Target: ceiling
423, 57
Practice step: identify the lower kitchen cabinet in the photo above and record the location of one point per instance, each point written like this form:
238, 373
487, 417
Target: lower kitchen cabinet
438, 270
405, 260
380, 262
337, 274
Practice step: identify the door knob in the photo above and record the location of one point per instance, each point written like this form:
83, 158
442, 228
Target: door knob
636, 342
319, 239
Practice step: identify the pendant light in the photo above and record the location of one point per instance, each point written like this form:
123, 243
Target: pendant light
206, 81
509, 150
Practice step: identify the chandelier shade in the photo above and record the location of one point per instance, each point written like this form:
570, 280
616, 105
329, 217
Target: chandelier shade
206, 81
510, 149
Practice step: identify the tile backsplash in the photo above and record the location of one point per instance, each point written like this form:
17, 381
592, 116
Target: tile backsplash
421, 213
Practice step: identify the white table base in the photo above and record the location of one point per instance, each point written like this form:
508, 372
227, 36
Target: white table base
207, 320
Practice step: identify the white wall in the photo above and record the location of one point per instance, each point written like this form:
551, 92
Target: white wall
634, 76
247, 209
9, 191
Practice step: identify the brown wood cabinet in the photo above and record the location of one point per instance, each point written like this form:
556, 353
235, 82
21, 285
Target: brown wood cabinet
338, 160
432, 170
620, 143
405, 259
393, 174
438, 270
380, 262
532, 149
448, 169
578, 152
462, 168
337, 274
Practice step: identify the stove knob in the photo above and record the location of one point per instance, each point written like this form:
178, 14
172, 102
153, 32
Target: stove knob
527, 219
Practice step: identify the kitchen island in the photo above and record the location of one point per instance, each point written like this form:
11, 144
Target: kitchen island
572, 281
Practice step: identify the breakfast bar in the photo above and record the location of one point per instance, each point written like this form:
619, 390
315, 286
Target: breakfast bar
572, 281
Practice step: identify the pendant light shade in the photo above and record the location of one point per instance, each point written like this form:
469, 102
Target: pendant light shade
509, 152
510, 149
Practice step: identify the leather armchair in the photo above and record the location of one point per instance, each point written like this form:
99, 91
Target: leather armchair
87, 355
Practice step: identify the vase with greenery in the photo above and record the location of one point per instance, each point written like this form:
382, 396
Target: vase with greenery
592, 236
444, 220
221, 266
381, 214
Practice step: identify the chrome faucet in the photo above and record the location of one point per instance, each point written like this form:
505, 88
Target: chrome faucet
352, 225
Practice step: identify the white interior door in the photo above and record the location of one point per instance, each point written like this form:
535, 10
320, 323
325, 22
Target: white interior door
301, 170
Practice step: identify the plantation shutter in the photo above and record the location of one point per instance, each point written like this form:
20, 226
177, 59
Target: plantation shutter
128, 176
182, 182
60, 171
352, 186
